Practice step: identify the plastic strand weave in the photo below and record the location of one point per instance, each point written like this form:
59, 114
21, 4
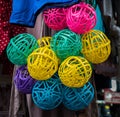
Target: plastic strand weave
20, 47
75, 71
66, 43
55, 18
42, 63
96, 46
44, 41
81, 18
23, 81
47, 94
78, 98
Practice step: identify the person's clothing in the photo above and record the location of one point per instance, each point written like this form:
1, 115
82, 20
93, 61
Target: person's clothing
7, 30
25, 12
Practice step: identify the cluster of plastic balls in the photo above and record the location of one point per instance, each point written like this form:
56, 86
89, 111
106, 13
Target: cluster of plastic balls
79, 18
57, 69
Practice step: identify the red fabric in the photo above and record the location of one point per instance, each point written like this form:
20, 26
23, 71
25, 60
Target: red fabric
7, 30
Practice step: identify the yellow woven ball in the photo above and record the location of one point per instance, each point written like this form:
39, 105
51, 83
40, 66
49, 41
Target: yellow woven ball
44, 41
42, 63
75, 71
96, 46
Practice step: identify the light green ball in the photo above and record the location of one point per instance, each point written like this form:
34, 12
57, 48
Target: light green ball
20, 47
66, 43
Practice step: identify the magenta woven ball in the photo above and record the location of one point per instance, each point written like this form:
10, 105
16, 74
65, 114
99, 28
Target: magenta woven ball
81, 18
55, 18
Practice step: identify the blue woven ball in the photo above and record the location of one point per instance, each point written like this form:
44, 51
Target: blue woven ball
66, 43
23, 81
20, 47
47, 94
78, 98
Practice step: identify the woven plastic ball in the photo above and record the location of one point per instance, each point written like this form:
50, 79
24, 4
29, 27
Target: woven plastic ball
42, 63
66, 43
78, 98
23, 81
75, 71
96, 46
55, 18
20, 47
44, 41
47, 94
81, 18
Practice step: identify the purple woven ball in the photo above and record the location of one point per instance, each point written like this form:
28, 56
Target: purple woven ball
23, 81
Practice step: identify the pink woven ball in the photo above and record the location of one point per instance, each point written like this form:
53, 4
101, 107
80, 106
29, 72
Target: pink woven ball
81, 18
55, 18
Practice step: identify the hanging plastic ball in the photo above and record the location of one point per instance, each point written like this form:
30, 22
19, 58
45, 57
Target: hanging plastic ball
42, 63
75, 71
20, 47
81, 18
66, 43
96, 46
55, 18
47, 94
78, 98
23, 81
44, 41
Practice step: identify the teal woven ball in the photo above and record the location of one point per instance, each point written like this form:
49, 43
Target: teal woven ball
66, 43
20, 47
47, 94
78, 98
93, 3
99, 24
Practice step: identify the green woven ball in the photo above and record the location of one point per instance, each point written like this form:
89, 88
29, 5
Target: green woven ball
20, 47
66, 43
